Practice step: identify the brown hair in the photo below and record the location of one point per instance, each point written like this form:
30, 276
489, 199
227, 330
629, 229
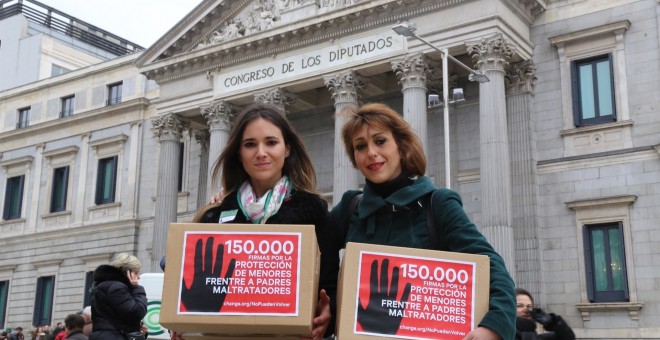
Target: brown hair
381, 116
520, 291
74, 322
297, 166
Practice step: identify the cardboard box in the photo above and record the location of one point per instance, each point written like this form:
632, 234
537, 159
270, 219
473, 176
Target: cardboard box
390, 292
272, 289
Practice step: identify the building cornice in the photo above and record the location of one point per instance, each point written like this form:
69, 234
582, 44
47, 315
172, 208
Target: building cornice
187, 61
336, 24
77, 119
79, 74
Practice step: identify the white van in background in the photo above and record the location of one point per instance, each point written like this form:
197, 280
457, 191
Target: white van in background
153, 285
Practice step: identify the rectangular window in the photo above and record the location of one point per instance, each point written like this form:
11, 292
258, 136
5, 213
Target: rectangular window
605, 261
60, 187
106, 180
180, 180
4, 295
23, 118
43, 300
114, 94
13, 198
593, 91
56, 70
89, 280
67, 106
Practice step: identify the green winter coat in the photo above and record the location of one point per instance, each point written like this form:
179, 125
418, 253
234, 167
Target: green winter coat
400, 220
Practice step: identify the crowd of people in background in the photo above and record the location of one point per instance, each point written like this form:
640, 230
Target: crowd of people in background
76, 326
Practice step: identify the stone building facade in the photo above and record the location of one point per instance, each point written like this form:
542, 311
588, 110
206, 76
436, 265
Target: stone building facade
556, 157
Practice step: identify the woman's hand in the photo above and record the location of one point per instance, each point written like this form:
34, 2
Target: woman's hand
323, 316
482, 333
132, 277
217, 198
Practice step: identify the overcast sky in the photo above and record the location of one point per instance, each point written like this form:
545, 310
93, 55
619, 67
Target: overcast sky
140, 21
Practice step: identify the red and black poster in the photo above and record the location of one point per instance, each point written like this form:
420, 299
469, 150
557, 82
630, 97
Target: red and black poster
240, 273
414, 297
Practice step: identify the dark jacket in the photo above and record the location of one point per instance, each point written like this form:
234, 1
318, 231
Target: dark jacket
299, 208
557, 329
76, 335
376, 222
117, 305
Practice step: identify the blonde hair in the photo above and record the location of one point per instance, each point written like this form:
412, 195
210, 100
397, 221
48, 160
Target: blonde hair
126, 261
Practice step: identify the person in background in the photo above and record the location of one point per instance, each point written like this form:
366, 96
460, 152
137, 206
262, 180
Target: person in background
556, 327
4, 336
269, 178
383, 147
17, 334
118, 302
39, 334
74, 325
87, 317
58, 329
49, 334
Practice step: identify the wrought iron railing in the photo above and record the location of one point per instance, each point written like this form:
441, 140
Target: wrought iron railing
61, 22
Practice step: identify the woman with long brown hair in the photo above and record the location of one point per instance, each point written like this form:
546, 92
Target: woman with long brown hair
269, 178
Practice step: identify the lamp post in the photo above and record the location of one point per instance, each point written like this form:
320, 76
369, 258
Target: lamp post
408, 30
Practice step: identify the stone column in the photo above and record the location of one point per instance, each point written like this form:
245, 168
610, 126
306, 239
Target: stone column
219, 114
520, 80
202, 137
412, 71
492, 54
344, 87
277, 97
167, 130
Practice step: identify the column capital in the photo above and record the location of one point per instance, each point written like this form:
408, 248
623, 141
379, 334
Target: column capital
345, 86
520, 77
411, 70
277, 97
219, 114
491, 53
168, 127
203, 137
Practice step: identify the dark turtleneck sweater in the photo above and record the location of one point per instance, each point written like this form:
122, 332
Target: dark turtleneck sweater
385, 189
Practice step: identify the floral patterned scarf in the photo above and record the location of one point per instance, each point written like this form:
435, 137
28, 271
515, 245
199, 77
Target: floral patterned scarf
258, 210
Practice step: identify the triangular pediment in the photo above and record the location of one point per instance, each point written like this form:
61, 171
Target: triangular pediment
190, 29
215, 22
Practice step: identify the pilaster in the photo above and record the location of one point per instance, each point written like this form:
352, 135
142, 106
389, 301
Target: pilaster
31, 224
79, 211
344, 87
412, 71
491, 55
520, 78
130, 206
168, 130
